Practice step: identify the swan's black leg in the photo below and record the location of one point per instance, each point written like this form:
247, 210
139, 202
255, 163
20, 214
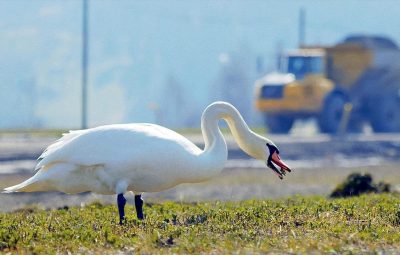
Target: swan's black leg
139, 206
121, 207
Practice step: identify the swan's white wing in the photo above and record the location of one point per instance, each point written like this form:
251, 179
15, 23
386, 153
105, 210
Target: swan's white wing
111, 145
66, 137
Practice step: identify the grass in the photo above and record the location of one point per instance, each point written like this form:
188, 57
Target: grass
358, 225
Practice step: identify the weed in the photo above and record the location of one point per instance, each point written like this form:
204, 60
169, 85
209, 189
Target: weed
356, 184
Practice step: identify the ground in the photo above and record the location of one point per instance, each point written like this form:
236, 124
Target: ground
369, 224
244, 210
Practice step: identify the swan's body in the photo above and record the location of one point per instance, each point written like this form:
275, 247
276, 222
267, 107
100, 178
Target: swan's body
146, 157
114, 159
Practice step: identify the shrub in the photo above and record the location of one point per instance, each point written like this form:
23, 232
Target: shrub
357, 184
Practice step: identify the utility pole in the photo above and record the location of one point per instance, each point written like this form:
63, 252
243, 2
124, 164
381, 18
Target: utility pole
85, 62
302, 27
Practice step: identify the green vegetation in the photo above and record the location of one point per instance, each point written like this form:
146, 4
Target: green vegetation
369, 223
357, 184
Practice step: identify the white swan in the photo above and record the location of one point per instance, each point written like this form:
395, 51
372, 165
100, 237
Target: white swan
140, 157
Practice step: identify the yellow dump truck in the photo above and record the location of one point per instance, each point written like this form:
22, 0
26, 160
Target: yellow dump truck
360, 74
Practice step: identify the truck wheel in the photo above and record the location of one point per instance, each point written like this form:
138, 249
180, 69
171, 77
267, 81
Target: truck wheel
279, 124
385, 116
331, 114
354, 126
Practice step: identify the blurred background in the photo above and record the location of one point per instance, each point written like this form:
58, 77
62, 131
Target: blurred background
326, 72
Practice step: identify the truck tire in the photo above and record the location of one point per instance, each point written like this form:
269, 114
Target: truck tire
331, 114
355, 126
385, 115
279, 124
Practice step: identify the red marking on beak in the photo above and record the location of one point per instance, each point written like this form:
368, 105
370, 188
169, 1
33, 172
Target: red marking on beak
277, 160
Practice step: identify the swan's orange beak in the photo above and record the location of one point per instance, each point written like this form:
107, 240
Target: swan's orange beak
275, 159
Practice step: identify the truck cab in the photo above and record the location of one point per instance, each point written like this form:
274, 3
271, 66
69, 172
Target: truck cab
295, 91
302, 63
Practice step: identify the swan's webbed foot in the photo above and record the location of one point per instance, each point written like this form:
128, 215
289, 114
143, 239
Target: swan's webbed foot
121, 208
139, 206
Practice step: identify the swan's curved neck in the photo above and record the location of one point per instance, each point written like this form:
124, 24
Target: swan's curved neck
215, 145
212, 159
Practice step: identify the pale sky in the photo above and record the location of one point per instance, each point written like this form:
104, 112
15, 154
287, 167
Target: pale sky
136, 46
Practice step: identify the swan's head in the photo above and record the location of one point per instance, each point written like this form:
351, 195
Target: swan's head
273, 160
264, 149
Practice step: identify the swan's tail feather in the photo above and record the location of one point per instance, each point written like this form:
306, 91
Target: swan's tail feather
48, 178
33, 184
8, 190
